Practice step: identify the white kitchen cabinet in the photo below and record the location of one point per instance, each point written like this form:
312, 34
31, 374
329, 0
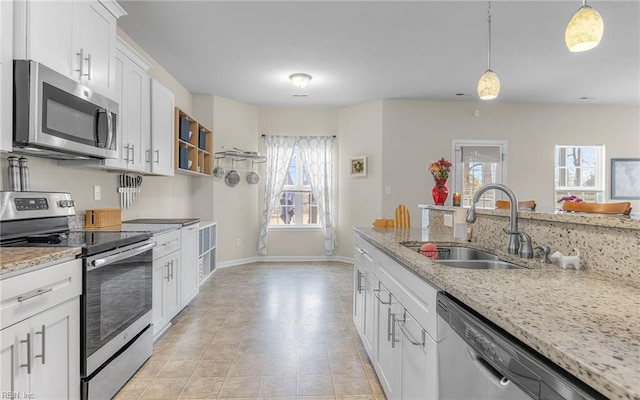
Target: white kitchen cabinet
76, 38
394, 312
6, 76
166, 299
134, 122
189, 255
162, 130
40, 354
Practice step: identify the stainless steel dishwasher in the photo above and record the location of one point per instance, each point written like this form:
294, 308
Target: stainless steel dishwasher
480, 361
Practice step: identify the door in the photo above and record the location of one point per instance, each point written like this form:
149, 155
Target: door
94, 35
189, 266
358, 296
162, 129
55, 353
14, 376
419, 376
386, 348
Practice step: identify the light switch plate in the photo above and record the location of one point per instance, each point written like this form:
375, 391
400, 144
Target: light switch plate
97, 192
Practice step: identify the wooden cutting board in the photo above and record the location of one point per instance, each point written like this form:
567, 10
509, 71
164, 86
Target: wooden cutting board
402, 217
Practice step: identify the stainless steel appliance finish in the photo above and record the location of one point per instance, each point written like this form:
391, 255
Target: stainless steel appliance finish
56, 117
116, 300
480, 361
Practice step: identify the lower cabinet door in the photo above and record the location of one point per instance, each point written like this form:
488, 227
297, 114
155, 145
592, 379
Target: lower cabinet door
368, 324
358, 296
14, 377
419, 377
173, 300
387, 349
166, 290
189, 265
55, 353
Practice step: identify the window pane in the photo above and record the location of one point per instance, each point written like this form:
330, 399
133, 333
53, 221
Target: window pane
309, 210
291, 172
476, 175
284, 213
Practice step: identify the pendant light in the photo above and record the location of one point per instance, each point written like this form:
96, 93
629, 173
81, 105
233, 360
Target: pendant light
489, 84
584, 30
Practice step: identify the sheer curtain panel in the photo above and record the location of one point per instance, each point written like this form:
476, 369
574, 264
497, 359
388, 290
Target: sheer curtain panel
279, 150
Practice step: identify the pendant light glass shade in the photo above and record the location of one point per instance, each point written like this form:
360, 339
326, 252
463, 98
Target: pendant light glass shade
300, 79
584, 30
488, 85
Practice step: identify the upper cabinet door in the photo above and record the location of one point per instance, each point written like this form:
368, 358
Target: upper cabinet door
6, 75
76, 38
94, 37
162, 121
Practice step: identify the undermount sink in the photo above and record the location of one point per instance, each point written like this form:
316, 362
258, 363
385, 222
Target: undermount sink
479, 264
464, 253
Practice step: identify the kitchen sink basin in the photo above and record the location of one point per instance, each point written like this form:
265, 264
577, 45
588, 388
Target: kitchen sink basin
464, 253
479, 264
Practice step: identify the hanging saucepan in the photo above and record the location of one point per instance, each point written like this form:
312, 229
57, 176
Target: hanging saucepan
233, 177
218, 171
252, 177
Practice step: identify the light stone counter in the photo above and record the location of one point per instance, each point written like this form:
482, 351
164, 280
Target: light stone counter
15, 260
585, 321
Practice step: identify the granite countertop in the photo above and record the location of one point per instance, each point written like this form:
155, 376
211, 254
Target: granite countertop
585, 321
14, 259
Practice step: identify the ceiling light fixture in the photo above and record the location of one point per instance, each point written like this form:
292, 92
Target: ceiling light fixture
299, 79
489, 84
584, 30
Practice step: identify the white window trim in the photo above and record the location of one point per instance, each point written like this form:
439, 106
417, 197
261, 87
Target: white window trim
456, 154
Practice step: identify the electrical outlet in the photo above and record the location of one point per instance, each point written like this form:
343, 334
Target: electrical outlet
97, 192
448, 220
238, 242
387, 190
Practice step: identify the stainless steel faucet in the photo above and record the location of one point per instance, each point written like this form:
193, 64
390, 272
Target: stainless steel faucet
515, 237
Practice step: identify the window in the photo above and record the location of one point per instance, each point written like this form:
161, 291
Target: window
478, 163
579, 171
296, 207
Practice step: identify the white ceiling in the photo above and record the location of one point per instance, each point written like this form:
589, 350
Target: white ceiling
359, 51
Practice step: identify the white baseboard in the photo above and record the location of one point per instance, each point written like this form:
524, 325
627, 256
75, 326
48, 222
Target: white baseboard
249, 260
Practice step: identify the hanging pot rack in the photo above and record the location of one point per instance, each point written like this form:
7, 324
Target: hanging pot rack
240, 155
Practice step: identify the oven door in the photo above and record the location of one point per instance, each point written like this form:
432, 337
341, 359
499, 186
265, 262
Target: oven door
116, 301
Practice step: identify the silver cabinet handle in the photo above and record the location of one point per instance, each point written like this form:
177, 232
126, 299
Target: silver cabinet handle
171, 243
388, 324
393, 331
359, 282
171, 263
81, 69
88, 66
157, 156
168, 277
360, 250
28, 364
43, 343
133, 154
146, 155
409, 336
126, 157
33, 294
380, 300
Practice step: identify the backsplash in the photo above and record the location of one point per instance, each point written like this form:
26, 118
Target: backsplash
606, 244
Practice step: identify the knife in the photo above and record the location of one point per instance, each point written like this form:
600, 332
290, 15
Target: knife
121, 190
128, 184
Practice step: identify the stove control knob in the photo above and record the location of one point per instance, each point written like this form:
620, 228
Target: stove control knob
66, 203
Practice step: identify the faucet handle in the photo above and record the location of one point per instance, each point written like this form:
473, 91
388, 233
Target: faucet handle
544, 253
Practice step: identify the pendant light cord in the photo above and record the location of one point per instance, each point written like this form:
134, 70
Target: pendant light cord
489, 47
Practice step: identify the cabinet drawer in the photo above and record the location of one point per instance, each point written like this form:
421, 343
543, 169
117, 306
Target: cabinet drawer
415, 294
166, 243
25, 295
366, 253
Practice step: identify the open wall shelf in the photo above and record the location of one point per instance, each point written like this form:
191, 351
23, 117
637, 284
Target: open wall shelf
194, 143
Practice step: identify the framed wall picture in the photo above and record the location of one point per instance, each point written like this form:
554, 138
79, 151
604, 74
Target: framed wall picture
625, 178
358, 166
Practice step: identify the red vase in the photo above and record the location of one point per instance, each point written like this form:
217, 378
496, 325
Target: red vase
440, 192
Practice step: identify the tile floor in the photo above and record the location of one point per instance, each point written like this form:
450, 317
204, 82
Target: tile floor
263, 331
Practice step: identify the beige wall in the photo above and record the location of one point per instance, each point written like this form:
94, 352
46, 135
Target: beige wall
297, 122
360, 198
415, 132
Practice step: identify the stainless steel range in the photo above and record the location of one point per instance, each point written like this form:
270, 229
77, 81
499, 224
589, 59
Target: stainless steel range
116, 300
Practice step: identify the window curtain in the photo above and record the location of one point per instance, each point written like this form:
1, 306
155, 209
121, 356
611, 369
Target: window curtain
279, 150
316, 153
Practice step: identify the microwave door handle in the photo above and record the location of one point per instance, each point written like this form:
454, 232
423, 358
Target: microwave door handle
101, 262
101, 111
110, 116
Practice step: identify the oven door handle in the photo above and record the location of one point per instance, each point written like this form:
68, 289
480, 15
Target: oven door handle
101, 262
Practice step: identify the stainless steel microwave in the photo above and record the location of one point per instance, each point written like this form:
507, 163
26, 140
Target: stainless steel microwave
57, 117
